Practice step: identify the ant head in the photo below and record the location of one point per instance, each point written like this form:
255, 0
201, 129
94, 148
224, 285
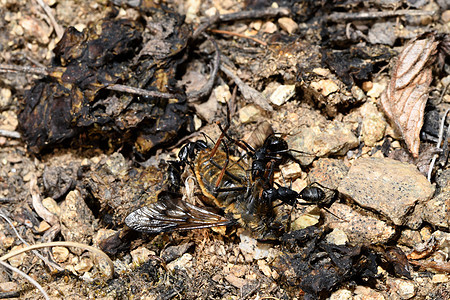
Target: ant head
275, 143
258, 168
183, 155
270, 195
187, 152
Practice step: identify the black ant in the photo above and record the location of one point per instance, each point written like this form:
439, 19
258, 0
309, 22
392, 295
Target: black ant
313, 194
274, 152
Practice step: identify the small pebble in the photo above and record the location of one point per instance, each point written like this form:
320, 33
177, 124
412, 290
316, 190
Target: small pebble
446, 16
288, 25
85, 265
5, 98
249, 113
334, 139
9, 286
304, 221
43, 226
17, 260
366, 293
341, 295
60, 254
76, 220
237, 270
291, 170
373, 124
141, 255
439, 278
367, 86
337, 237
222, 93
235, 281
282, 94
322, 72
376, 90
101, 235
52, 206
403, 288
269, 27
251, 246
326, 87
263, 267
358, 228
182, 263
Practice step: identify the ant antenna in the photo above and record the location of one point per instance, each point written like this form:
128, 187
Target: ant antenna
207, 137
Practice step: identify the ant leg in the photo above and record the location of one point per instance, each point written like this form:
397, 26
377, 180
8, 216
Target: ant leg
224, 168
207, 137
232, 189
219, 140
241, 144
324, 208
215, 164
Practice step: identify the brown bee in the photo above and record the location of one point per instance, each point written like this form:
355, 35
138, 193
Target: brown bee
225, 183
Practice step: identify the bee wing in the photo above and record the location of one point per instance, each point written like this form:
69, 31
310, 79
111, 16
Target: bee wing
171, 214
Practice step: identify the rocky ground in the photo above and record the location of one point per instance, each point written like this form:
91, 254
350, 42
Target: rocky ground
79, 153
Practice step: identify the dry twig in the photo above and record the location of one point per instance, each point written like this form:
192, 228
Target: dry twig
239, 35
58, 29
31, 280
249, 93
10, 134
6, 68
43, 212
49, 263
206, 89
368, 15
62, 244
139, 91
441, 135
242, 15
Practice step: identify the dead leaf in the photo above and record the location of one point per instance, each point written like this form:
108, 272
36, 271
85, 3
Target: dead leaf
407, 93
424, 250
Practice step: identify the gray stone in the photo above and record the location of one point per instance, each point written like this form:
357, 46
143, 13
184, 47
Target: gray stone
76, 220
387, 186
437, 210
359, 228
316, 141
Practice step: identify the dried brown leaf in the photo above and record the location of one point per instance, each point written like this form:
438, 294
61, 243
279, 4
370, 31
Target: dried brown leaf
407, 93
424, 250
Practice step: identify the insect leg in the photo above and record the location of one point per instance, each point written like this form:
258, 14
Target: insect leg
224, 168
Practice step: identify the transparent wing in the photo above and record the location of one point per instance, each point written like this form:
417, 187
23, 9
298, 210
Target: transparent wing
171, 214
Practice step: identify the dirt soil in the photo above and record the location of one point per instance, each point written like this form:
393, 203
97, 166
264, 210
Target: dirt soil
78, 155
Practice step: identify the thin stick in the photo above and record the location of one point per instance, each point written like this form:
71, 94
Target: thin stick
54, 265
62, 244
242, 15
256, 14
138, 91
10, 134
40, 209
249, 93
239, 35
31, 280
368, 15
206, 89
58, 29
24, 69
7, 199
438, 145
